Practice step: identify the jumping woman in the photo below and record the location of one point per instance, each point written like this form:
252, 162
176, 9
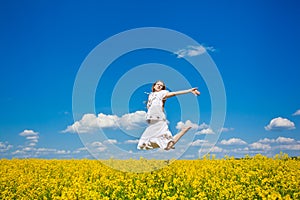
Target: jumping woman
157, 134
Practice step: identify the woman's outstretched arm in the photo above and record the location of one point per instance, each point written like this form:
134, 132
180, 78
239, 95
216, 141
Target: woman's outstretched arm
192, 90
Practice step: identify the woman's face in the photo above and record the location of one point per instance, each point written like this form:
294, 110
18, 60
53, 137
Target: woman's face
158, 86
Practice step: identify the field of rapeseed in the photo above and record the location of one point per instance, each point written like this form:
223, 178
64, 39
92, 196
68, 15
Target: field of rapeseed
251, 178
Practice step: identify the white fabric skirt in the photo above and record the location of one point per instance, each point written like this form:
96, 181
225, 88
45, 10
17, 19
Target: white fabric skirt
156, 135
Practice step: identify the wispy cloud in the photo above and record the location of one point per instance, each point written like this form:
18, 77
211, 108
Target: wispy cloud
278, 140
79, 150
233, 141
279, 124
91, 123
31, 136
260, 146
296, 113
5, 146
217, 149
205, 131
226, 129
199, 143
293, 147
213, 149
99, 146
30, 150
237, 146
191, 51
39, 152
110, 141
131, 142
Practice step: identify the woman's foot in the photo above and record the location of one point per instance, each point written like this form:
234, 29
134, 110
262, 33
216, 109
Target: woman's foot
170, 145
177, 137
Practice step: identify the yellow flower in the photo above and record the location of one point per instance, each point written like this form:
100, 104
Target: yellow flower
252, 178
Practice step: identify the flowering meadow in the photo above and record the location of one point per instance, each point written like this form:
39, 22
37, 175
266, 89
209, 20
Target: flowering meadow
255, 177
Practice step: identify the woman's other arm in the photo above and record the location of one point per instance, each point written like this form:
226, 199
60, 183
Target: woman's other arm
180, 92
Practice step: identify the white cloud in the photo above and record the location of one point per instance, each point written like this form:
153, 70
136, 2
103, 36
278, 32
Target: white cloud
204, 128
40, 150
188, 123
101, 149
238, 147
213, 149
49, 151
190, 156
244, 150
258, 145
91, 123
132, 121
201, 128
266, 140
79, 150
4, 147
216, 149
35, 137
296, 113
226, 129
294, 147
233, 141
30, 151
191, 51
31, 137
98, 146
28, 148
205, 131
278, 140
28, 133
63, 152
110, 141
285, 140
18, 152
32, 144
279, 124
198, 142
131, 141
266, 146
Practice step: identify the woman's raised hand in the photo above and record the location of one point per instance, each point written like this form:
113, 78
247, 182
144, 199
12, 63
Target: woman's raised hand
195, 91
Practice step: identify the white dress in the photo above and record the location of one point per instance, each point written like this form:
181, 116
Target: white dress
157, 134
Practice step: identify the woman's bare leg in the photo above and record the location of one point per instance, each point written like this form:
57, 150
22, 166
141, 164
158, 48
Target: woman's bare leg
177, 138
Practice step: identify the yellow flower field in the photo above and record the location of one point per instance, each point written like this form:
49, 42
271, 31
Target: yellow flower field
250, 178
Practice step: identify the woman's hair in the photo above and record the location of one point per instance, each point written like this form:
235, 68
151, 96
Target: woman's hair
163, 88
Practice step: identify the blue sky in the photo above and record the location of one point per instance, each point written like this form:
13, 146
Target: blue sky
254, 45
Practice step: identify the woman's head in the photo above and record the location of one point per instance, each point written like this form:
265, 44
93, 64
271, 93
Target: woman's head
158, 86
